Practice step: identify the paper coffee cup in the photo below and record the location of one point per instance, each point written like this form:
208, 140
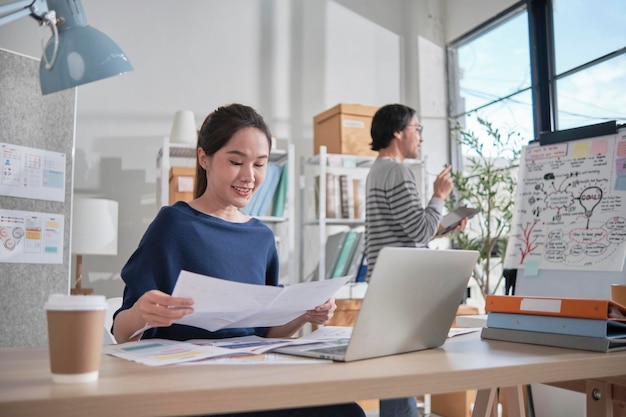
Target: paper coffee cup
75, 332
618, 293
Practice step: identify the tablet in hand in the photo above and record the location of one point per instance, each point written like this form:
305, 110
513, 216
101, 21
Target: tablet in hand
451, 220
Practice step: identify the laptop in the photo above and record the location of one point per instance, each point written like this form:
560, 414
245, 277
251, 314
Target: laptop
411, 301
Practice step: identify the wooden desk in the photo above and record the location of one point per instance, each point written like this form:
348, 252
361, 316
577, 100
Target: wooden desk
130, 389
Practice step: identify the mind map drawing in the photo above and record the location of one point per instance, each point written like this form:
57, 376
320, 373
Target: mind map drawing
570, 206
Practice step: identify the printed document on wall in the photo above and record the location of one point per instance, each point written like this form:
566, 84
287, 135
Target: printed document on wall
30, 237
32, 173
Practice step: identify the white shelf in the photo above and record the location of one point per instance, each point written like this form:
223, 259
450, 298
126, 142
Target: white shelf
313, 248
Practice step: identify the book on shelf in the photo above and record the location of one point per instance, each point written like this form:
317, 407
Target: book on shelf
334, 246
333, 203
358, 195
361, 275
585, 308
597, 344
558, 324
344, 255
345, 196
280, 196
355, 257
346, 192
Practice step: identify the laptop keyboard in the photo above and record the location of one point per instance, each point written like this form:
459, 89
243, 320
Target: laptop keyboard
332, 350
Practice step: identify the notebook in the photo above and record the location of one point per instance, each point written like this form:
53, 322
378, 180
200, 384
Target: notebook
412, 298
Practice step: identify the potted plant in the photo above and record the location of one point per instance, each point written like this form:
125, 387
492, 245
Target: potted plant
487, 181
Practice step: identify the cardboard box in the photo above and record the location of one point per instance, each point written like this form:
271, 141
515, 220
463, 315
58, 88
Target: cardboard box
181, 184
344, 129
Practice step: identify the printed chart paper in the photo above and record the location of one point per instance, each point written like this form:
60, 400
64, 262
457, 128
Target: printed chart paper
31, 237
32, 173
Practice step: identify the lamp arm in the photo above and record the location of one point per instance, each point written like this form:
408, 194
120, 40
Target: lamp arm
16, 10
37, 9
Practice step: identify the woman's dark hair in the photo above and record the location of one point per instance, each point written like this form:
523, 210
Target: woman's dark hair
218, 128
388, 120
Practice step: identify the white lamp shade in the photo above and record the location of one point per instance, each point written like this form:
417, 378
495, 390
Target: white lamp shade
94, 226
184, 128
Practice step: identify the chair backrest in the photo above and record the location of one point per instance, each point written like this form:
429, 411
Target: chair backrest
114, 304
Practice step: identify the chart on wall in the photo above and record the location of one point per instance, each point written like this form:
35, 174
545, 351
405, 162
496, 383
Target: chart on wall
570, 206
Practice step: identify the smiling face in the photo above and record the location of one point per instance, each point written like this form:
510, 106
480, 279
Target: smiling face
237, 170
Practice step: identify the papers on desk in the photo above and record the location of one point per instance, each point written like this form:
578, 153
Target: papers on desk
220, 303
236, 350
158, 352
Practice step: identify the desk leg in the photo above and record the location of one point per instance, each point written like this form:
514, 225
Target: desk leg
515, 401
486, 403
599, 398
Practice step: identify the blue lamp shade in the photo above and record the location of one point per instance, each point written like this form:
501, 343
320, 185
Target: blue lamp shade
84, 54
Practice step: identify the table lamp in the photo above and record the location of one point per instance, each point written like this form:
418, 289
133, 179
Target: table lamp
94, 232
184, 128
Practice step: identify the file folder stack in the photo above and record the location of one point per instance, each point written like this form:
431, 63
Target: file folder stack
576, 323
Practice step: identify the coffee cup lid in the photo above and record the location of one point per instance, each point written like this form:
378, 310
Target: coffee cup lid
76, 302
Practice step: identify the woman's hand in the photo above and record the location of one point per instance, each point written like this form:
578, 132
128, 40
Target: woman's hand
322, 313
153, 309
158, 309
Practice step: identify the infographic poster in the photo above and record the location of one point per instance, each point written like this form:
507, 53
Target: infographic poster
31, 237
32, 173
570, 211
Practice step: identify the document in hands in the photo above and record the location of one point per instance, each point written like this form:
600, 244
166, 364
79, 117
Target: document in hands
219, 303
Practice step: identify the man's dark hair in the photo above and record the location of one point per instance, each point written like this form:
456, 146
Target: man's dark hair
388, 120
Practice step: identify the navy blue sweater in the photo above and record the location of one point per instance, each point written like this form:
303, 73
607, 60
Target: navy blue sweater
181, 238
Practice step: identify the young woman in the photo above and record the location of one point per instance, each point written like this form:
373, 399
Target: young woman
210, 236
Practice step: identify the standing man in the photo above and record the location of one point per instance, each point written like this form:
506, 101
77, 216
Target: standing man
394, 215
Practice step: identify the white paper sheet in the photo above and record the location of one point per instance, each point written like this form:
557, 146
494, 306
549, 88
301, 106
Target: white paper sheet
220, 303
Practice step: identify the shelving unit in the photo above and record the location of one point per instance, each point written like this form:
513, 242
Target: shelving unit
283, 226
318, 165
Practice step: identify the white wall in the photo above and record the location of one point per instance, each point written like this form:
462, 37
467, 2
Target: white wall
461, 16
291, 59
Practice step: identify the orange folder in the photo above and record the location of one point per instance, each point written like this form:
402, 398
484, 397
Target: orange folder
585, 308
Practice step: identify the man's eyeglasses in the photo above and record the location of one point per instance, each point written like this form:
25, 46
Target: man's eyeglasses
418, 127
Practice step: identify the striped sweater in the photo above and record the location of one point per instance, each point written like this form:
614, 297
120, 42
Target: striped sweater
394, 215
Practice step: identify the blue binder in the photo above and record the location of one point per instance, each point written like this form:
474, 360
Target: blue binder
612, 329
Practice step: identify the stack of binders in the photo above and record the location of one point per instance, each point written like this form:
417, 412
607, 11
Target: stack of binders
577, 323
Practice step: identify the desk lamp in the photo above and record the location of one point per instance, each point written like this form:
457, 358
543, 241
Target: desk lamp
94, 232
77, 53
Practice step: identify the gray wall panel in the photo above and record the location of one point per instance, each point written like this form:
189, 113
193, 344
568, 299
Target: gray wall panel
44, 122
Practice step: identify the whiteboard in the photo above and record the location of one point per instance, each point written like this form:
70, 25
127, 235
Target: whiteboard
563, 264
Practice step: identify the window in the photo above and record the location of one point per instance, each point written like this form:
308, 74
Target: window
589, 61
582, 44
494, 77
